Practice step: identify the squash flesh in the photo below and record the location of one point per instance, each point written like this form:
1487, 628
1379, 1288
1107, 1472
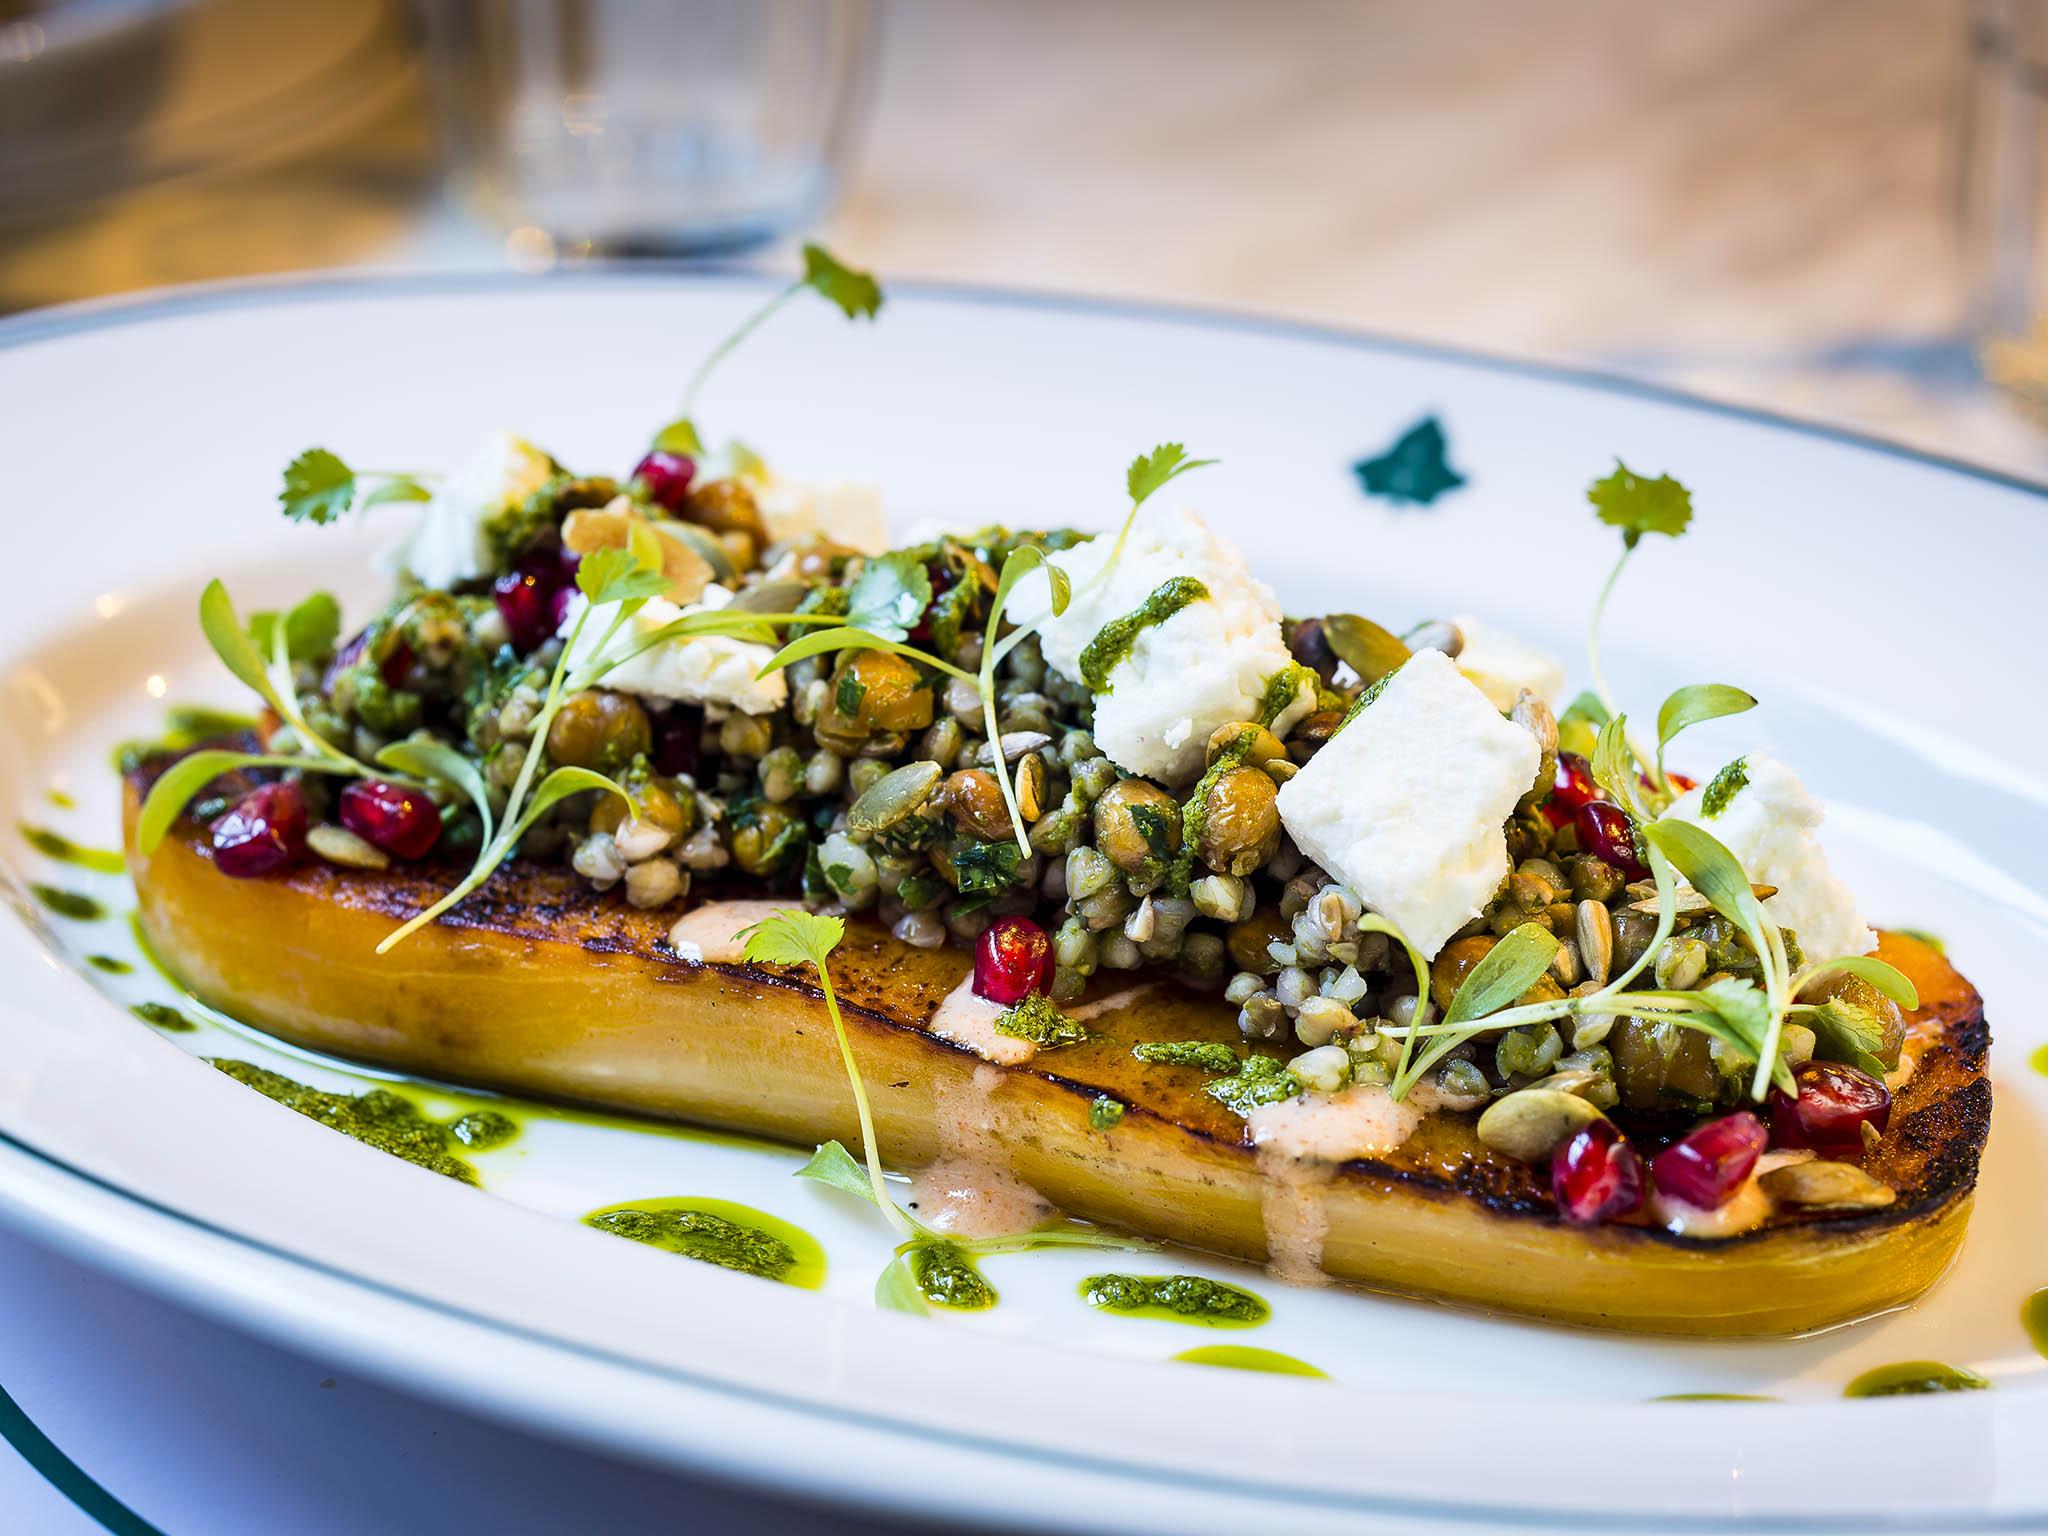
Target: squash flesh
538, 987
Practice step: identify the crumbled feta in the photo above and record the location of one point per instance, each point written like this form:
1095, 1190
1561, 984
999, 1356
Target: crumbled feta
845, 512
1203, 666
1406, 803
451, 541
1503, 666
1768, 825
696, 669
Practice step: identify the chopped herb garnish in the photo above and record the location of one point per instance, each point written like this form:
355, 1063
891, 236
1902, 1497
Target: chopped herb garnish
1039, 1020
1209, 1055
1105, 1112
1260, 1080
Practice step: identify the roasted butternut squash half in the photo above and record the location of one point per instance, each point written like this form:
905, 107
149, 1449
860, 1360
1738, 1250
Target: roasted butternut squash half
538, 986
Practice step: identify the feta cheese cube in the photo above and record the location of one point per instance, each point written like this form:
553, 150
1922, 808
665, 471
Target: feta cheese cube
452, 541
1203, 666
1406, 803
695, 669
1503, 666
845, 512
1769, 825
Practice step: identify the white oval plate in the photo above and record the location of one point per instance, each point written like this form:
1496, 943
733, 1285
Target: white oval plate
1883, 606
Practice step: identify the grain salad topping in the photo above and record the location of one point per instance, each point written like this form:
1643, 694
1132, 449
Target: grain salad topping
1412, 877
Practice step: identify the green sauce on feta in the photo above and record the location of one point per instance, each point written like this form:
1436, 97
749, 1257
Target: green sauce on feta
722, 1232
1176, 1298
1723, 787
1113, 642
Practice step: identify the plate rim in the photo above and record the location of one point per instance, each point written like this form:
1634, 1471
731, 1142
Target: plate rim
144, 305
243, 295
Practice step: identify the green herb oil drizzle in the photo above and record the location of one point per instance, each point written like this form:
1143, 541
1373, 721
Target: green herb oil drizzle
1242, 1357
1176, 1299
1912, 1377
720, 1232
55, 845
78, 907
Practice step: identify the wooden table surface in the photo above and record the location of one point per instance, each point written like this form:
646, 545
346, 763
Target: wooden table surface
1752, 198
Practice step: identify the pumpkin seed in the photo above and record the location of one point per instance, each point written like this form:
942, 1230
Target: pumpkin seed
1015, 745
1532, 1123
338, 845
1030, 787
1564, 965
1370, 651
1690, 903
1839, 1186
894, 796
1593, 934
1534, 716
1436, 635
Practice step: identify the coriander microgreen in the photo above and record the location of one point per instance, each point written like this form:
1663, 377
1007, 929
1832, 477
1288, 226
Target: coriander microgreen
1147, 474
310, 628
1692, 706
1508, 970
1020, 561
320, 488
270, 679
1888, 979
679, 436
518, 819
438, 762
179, 784
843, 637
1636, 506
1714, 872
1616, 767
1405, 1074
808, 938
856, 293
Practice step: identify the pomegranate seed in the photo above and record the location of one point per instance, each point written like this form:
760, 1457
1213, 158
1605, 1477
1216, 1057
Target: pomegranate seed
526, 606
1834, 1103
403, 822
1681, 781
677, 736
1596, 1175
943, 581
1604, 830
262, 833
1708, 1166
1012, 961
1572, 788
665, 477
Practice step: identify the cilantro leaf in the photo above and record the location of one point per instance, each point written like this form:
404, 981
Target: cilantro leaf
833, 1165
617, 576
890, 595
1636, 506
318, 487
855, 292
1150, 471
1843, 1031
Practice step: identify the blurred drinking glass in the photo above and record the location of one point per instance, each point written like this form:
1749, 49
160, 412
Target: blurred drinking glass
635, 127
2000, 195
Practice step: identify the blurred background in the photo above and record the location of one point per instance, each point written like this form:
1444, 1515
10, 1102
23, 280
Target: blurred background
1828, 207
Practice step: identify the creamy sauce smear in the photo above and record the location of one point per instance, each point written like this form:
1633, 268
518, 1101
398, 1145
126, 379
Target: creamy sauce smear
1297, 1222
967, 1019
1300, 1142
710, 933
971, 1191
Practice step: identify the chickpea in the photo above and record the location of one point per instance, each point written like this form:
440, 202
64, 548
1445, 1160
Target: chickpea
655, 801
1122, 816
1856, 993
975, 802
1454, 962
726, 506
599, 729
1265, 746
1247, 940
871, 692
1240, 822
760, 845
